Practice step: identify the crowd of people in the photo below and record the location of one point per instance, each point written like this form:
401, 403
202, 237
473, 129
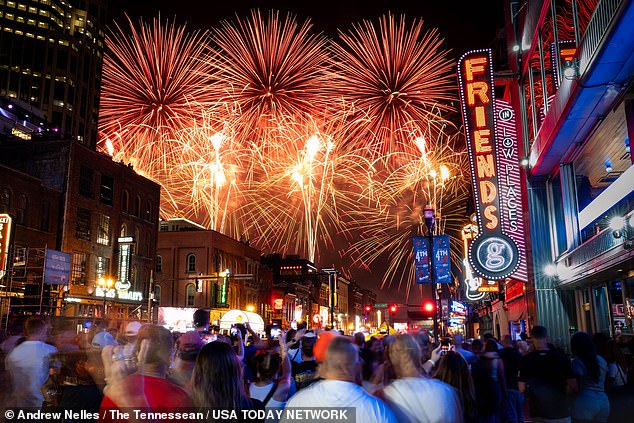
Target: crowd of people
401, 378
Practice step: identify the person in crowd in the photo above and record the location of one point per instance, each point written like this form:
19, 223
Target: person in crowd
28, 365
617, 367
414, 397
217, 380
591, 403
513, 409
523, 347
15, 333
95, 362
372, 364
490, 386
271, 390
187, 347
148, 386
359, 340
340, 387
458, 342
545, 379
305, 371
489, 336
453, 369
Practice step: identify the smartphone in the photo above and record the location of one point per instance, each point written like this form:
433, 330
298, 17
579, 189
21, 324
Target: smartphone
276, 331
234, 331
444, 344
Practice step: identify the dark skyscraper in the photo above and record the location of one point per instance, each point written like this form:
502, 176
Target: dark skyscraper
51, 53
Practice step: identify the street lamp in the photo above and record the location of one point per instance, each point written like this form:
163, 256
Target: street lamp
105, 284
430, 222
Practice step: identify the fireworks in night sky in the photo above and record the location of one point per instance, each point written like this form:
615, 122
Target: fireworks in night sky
398, 75
262, 129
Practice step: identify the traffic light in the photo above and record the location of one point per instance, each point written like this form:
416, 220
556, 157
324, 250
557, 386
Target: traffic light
429, 308
393, 309
368, 309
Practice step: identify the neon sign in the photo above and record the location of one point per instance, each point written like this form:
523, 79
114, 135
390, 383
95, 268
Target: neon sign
5, 242
493, 254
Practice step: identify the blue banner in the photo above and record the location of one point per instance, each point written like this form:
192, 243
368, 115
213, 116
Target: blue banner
442, 259
56, 268
421, 259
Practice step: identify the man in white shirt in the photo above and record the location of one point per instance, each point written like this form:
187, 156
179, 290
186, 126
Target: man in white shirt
341, 371
413, 397
28, 365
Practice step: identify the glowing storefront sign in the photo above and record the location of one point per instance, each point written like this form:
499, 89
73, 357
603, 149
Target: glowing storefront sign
493, 254
119, 294
5, 242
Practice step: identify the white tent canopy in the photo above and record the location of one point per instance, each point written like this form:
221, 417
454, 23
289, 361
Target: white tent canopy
233, 317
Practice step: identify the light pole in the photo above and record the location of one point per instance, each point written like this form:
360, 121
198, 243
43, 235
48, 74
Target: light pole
105, 284
430, 221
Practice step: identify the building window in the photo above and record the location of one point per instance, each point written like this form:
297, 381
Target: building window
5, 200
20, 213
103, 231
44, 218
85, 181
125, 201
133, 275
157, 295
159, 264
78, 274
103, 267
191, 263
123, 231
107, 189
148, 211
191, 295
137, 206
82, 226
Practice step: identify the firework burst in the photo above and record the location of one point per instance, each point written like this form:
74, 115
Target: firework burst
405, 184
298, 207
154, 83
396, 74
269, 70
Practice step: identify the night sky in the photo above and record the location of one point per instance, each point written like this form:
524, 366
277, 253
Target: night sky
464, 25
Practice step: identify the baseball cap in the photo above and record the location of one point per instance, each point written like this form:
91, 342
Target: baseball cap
190, 342
102, 339
132, 328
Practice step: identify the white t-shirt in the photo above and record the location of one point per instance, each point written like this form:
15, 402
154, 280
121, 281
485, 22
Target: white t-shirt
617, 374
28, 367
422, 400
337, 393
260, 393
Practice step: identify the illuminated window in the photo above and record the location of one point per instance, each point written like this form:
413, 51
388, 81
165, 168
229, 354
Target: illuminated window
11, 3
9, 16
103, 231
123, 231
21, 6
32, 9
191, 295
78, 270
103, 267
191, 263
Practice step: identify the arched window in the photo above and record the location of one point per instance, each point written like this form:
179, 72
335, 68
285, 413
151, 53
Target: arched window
20, 214
157, 294
191, 263
159, 264
5, 200
123, 230
191, 295
148, 211
137, 206
137, 239
125, 201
